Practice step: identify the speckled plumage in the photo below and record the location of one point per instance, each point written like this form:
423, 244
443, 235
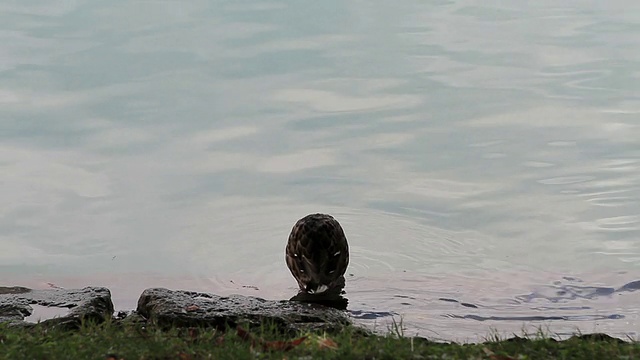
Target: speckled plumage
317, 255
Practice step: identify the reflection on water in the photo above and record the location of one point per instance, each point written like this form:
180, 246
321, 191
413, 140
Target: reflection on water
474, 154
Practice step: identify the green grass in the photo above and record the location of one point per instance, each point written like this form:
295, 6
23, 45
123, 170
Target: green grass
117, 341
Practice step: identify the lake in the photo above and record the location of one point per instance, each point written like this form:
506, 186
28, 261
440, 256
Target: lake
483, 160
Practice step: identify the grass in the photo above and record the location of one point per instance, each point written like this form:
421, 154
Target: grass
114, 340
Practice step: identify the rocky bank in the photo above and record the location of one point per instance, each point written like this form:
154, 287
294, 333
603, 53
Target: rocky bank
167, 308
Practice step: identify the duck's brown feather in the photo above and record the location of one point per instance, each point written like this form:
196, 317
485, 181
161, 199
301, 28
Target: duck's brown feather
317, 254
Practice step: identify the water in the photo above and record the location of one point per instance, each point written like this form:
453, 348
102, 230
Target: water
41, 313
483, 160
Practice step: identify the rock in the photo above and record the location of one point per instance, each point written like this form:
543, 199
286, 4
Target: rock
90, 303
129, 318
596, 337
185, 308
14, 290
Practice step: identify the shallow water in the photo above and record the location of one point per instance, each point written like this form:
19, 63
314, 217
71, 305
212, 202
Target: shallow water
483, 160
41, 313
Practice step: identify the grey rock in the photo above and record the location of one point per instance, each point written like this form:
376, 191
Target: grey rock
129, 318
185, 308
90, 303
14, 290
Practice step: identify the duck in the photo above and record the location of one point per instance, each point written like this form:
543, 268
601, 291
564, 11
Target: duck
317, 254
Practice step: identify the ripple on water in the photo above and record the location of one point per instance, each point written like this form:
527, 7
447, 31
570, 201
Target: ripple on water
613, 224
611, 201
447, 306
565, 180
